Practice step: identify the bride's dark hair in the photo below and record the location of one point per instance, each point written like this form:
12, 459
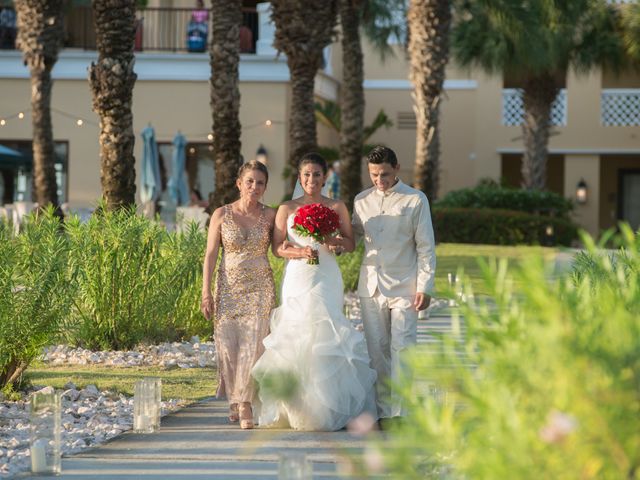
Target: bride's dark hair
313, 159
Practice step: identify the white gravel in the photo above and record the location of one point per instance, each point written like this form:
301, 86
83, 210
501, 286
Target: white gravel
89, 418
191, 354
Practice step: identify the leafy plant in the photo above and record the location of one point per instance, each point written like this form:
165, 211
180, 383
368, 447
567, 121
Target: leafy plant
500, 227
329, 114
494, 196
34, 292
545, 383
133, 280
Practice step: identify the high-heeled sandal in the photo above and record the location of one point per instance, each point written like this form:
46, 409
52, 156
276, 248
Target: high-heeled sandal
233, 413
246, 416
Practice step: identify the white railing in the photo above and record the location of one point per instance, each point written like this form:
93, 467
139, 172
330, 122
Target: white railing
620, 107
513, 109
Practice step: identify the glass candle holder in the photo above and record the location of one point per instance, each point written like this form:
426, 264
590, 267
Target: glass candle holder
294, 466
453, 285
45, 418
146, 405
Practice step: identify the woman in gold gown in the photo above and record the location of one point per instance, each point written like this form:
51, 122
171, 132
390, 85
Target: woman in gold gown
244, 293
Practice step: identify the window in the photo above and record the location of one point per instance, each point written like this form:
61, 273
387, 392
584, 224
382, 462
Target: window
16, 180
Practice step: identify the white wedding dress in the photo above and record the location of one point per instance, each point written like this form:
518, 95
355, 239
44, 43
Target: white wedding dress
312, 341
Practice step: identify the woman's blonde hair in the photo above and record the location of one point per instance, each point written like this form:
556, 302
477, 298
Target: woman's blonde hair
253, 165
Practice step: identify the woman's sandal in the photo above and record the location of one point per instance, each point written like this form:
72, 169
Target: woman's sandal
233, 413
246, 416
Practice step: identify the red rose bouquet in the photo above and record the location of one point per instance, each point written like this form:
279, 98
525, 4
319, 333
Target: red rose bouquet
316, 220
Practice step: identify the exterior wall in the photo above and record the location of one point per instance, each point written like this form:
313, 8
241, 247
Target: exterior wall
186, 109
587, 168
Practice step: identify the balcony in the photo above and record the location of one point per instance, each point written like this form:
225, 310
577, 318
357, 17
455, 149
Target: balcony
620, 107
513, 109
158, 29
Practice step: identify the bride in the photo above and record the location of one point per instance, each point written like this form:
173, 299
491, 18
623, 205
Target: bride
311, 340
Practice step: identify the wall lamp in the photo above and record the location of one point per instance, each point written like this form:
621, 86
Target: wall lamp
581, 192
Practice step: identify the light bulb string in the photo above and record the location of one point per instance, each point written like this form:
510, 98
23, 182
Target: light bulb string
80, 121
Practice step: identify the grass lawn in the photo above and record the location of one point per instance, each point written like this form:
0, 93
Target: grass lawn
190, 384
452, 256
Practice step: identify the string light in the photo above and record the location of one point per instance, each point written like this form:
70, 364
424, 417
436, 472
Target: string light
80, 122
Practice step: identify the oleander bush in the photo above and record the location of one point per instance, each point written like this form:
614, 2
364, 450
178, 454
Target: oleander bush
133, 281
545, 383
34, 292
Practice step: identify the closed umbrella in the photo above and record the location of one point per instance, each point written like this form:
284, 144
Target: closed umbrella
177, 182
150, 178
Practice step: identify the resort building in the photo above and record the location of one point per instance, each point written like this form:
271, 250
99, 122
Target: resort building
594, 147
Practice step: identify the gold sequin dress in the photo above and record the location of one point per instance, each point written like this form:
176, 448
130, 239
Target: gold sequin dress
244, 297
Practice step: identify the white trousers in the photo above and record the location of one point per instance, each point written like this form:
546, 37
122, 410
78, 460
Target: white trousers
390, 327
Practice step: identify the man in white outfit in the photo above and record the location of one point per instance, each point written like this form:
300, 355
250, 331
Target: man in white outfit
398, 269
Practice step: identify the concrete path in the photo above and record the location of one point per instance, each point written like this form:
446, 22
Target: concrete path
198, 442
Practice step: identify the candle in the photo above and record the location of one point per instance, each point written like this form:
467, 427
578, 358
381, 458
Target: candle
39, 456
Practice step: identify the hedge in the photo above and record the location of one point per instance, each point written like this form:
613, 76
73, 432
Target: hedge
500, 227
536, 202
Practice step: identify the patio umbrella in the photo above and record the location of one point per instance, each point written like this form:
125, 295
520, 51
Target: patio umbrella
10, 158
177, 184
150, 178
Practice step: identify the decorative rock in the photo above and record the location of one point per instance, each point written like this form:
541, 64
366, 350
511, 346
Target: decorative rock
98, 417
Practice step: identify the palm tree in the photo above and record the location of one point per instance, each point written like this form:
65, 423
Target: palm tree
330, 114
303, 29
379, 22
225, 97
429, 24
352, 100
112, 79
537, 42
40, 31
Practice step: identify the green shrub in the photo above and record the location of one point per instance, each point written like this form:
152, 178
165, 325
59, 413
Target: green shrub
34, 292
133, 280
545, 384
500, 227
539, 202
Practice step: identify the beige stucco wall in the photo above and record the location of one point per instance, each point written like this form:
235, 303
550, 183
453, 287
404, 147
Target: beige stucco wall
587, 168
169, 107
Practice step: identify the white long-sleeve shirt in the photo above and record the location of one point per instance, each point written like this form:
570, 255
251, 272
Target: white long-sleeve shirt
399, 257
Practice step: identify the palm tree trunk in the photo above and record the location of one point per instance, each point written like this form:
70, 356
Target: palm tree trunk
539, 93
352, 120
40, 40
112, 79
302, 127
303, 29
225, 98
429, 23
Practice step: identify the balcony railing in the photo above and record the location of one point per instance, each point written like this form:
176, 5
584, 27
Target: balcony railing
620, 107
159, 29
513, 108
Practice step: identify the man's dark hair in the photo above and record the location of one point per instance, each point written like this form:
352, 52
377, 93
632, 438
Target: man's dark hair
382, 154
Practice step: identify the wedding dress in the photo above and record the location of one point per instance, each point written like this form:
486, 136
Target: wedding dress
313, 342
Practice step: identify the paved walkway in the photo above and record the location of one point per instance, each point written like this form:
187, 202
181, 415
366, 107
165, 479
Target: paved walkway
198, 442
